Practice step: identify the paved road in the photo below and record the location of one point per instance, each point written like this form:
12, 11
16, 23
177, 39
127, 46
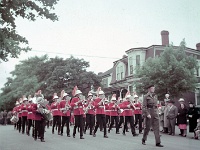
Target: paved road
11, 139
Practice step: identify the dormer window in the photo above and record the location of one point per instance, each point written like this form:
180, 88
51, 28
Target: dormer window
131, 65
118, 73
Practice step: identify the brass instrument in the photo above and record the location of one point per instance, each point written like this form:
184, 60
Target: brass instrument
88, 107
132, 104
42, 108
67, 107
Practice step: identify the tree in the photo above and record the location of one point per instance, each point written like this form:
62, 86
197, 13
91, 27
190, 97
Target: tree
172, 72
49, 75
11, 43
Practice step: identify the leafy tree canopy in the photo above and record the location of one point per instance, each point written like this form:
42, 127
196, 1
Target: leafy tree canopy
11, 43
49, 75
172, 72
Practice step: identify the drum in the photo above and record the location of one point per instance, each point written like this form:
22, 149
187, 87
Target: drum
14, 119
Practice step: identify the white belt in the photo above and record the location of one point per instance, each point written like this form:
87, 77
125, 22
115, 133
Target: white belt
101, 106
29, 112
24, 110
54, 109
76, 107
128, 109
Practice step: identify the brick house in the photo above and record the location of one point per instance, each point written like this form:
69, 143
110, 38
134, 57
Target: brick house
120, 77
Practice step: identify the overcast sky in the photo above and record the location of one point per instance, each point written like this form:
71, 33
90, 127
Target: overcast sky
100, 31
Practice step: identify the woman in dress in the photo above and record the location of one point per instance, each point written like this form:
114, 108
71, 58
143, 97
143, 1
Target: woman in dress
182, 118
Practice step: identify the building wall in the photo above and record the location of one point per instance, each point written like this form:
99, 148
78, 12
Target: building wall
132, 56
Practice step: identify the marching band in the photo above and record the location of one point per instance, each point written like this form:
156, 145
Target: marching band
90, 113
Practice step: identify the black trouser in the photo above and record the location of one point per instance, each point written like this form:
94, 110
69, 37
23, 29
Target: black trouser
65, 119
101, 118
89, 122
24, 123
107, 120
19, 124
138, 118
29, 126
121, 120
78, 123
129, 119
116, 119
39, 128
84, 122
56, 121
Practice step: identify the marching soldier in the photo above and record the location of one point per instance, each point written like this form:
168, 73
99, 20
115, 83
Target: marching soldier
138, 113
100, 113
113, 107
24, 114
128, 107
150, 113
55, 108
77, 104
20, 115
90, 113
65, 109
30, 115
15, 112
39, 120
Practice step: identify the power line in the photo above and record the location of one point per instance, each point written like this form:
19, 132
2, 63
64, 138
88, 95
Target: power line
74, 54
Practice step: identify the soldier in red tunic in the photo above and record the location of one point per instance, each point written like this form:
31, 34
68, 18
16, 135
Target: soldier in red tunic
128, 107
20, 115
77, 104
65, 108
15, 112
39, 120
113, 107
100, 112
138, 113
24, 114
90, 113
55, 108
30, 115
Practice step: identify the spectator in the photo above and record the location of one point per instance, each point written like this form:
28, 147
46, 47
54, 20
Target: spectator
171, 116
193, 116
9, 116
161, 115
166, 109
4, 117
197, 130
182, 118
1, 117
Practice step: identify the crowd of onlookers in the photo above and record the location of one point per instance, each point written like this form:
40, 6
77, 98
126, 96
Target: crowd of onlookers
5, 117
171, 115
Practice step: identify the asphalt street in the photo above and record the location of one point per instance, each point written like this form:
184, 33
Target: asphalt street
11, 139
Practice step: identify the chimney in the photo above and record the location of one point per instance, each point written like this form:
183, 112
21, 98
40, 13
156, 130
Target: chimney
165, 37
198, 46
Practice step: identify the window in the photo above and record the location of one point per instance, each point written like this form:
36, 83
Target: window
131, 65
131, 69
137, 60
105, 82
121, 71
118, 74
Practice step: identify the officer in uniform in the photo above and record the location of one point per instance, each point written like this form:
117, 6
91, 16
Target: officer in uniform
151, 116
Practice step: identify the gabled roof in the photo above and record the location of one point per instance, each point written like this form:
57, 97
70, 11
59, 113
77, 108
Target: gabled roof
108, 72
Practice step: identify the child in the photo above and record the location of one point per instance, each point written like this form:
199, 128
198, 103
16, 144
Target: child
197, 130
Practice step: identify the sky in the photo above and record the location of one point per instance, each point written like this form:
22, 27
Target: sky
100, 31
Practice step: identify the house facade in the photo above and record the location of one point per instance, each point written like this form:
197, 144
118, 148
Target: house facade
121, 77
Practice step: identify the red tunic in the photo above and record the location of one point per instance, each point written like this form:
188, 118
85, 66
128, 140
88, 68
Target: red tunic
19, 111
55, 109
24, 110
30, 113
113, 111
100, 109
36, 114
92, 110
127, 111
138, 109
62, 108
78, 109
